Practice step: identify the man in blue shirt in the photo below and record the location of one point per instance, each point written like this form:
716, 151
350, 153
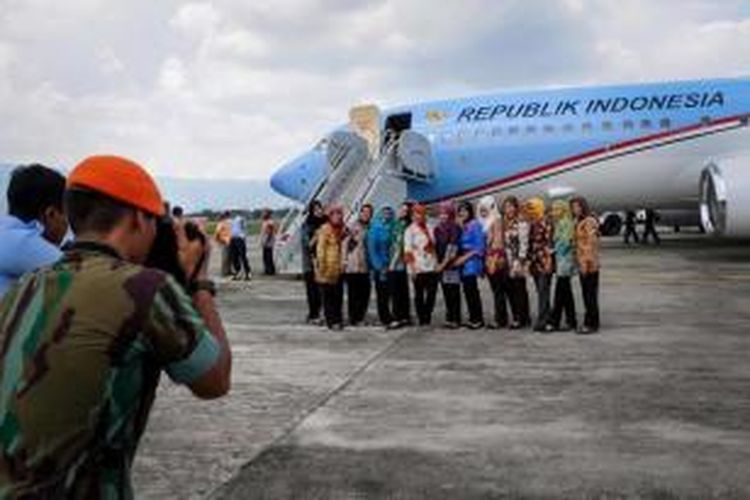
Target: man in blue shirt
35, 226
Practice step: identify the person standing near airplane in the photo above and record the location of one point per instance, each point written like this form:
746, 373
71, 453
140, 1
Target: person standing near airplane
398, 279
223, 237
541, 262
587, 253
356, 269
238, 247
472, 248
31, 233
328, 254
421, 262
268, 241
496, 268
314, 220
649, 229
565, 267
630, 223
379, 240
447, 241
516, 233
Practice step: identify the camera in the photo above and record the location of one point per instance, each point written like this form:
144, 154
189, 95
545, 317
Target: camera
164, 253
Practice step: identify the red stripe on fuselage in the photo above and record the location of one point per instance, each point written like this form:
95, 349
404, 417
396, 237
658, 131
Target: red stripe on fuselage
639, 141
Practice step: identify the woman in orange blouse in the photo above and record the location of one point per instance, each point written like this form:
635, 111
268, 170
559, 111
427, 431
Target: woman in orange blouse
587, 253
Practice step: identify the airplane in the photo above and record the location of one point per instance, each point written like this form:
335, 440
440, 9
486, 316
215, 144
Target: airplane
679, 146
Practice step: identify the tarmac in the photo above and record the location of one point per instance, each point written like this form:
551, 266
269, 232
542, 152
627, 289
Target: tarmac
656, 406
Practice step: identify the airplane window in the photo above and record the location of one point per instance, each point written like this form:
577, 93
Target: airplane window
531, 129
568, 127
460, 136
478, 133
321, 145
607, 126
587, 127
549, 129
497, 131
628, 125
665, 123
513, 130
706, 120
645, 123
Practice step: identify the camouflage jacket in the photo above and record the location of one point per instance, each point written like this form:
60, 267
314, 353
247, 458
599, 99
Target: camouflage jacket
83, 345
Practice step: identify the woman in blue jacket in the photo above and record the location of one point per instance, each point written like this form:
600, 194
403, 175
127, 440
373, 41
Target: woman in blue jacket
379, 243
472, 248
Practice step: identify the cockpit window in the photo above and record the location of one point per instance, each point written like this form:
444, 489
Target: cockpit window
322, 145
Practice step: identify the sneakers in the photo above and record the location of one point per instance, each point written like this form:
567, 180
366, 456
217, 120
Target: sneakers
451, 325
475, 326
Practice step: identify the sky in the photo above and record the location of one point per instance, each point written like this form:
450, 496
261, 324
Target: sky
233, 88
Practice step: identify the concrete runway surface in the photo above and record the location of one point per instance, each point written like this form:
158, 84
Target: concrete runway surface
656, 406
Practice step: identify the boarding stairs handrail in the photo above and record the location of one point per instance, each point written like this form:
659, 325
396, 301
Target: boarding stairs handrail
378, 168
290, 242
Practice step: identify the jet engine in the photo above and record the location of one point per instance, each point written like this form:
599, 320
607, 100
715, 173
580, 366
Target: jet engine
725, 197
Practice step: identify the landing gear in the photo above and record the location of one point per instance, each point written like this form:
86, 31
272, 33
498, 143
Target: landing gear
611, 225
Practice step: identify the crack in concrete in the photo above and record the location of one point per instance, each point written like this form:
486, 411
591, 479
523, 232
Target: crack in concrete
296, 423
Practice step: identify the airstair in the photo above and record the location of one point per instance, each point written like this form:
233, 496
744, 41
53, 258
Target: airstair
361, 169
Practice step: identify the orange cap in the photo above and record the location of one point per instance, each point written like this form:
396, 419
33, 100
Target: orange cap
121, 179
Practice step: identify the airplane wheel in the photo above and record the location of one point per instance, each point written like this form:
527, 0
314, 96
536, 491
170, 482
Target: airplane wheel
612, 225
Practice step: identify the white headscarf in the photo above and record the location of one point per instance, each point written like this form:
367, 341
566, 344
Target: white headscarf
487, 203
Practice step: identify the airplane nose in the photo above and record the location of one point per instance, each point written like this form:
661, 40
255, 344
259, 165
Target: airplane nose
281, 182
297, 178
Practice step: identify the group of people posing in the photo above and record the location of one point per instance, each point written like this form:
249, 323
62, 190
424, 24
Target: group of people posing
506, 246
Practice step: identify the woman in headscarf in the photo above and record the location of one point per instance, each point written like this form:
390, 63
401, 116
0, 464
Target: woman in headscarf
495, 262
472, 248
516, 235
315, 218
328, 267
541, 260
421, 263
379, 240
447, 241
356, 268
398, 279
565, 267
587, 254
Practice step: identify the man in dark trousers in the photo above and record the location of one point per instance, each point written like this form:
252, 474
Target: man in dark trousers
630, 222
650, 230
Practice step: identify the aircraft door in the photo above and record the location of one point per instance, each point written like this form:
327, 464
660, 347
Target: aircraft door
415, 159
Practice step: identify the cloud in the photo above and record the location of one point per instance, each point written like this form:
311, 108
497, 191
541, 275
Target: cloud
230, 88
196, 20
